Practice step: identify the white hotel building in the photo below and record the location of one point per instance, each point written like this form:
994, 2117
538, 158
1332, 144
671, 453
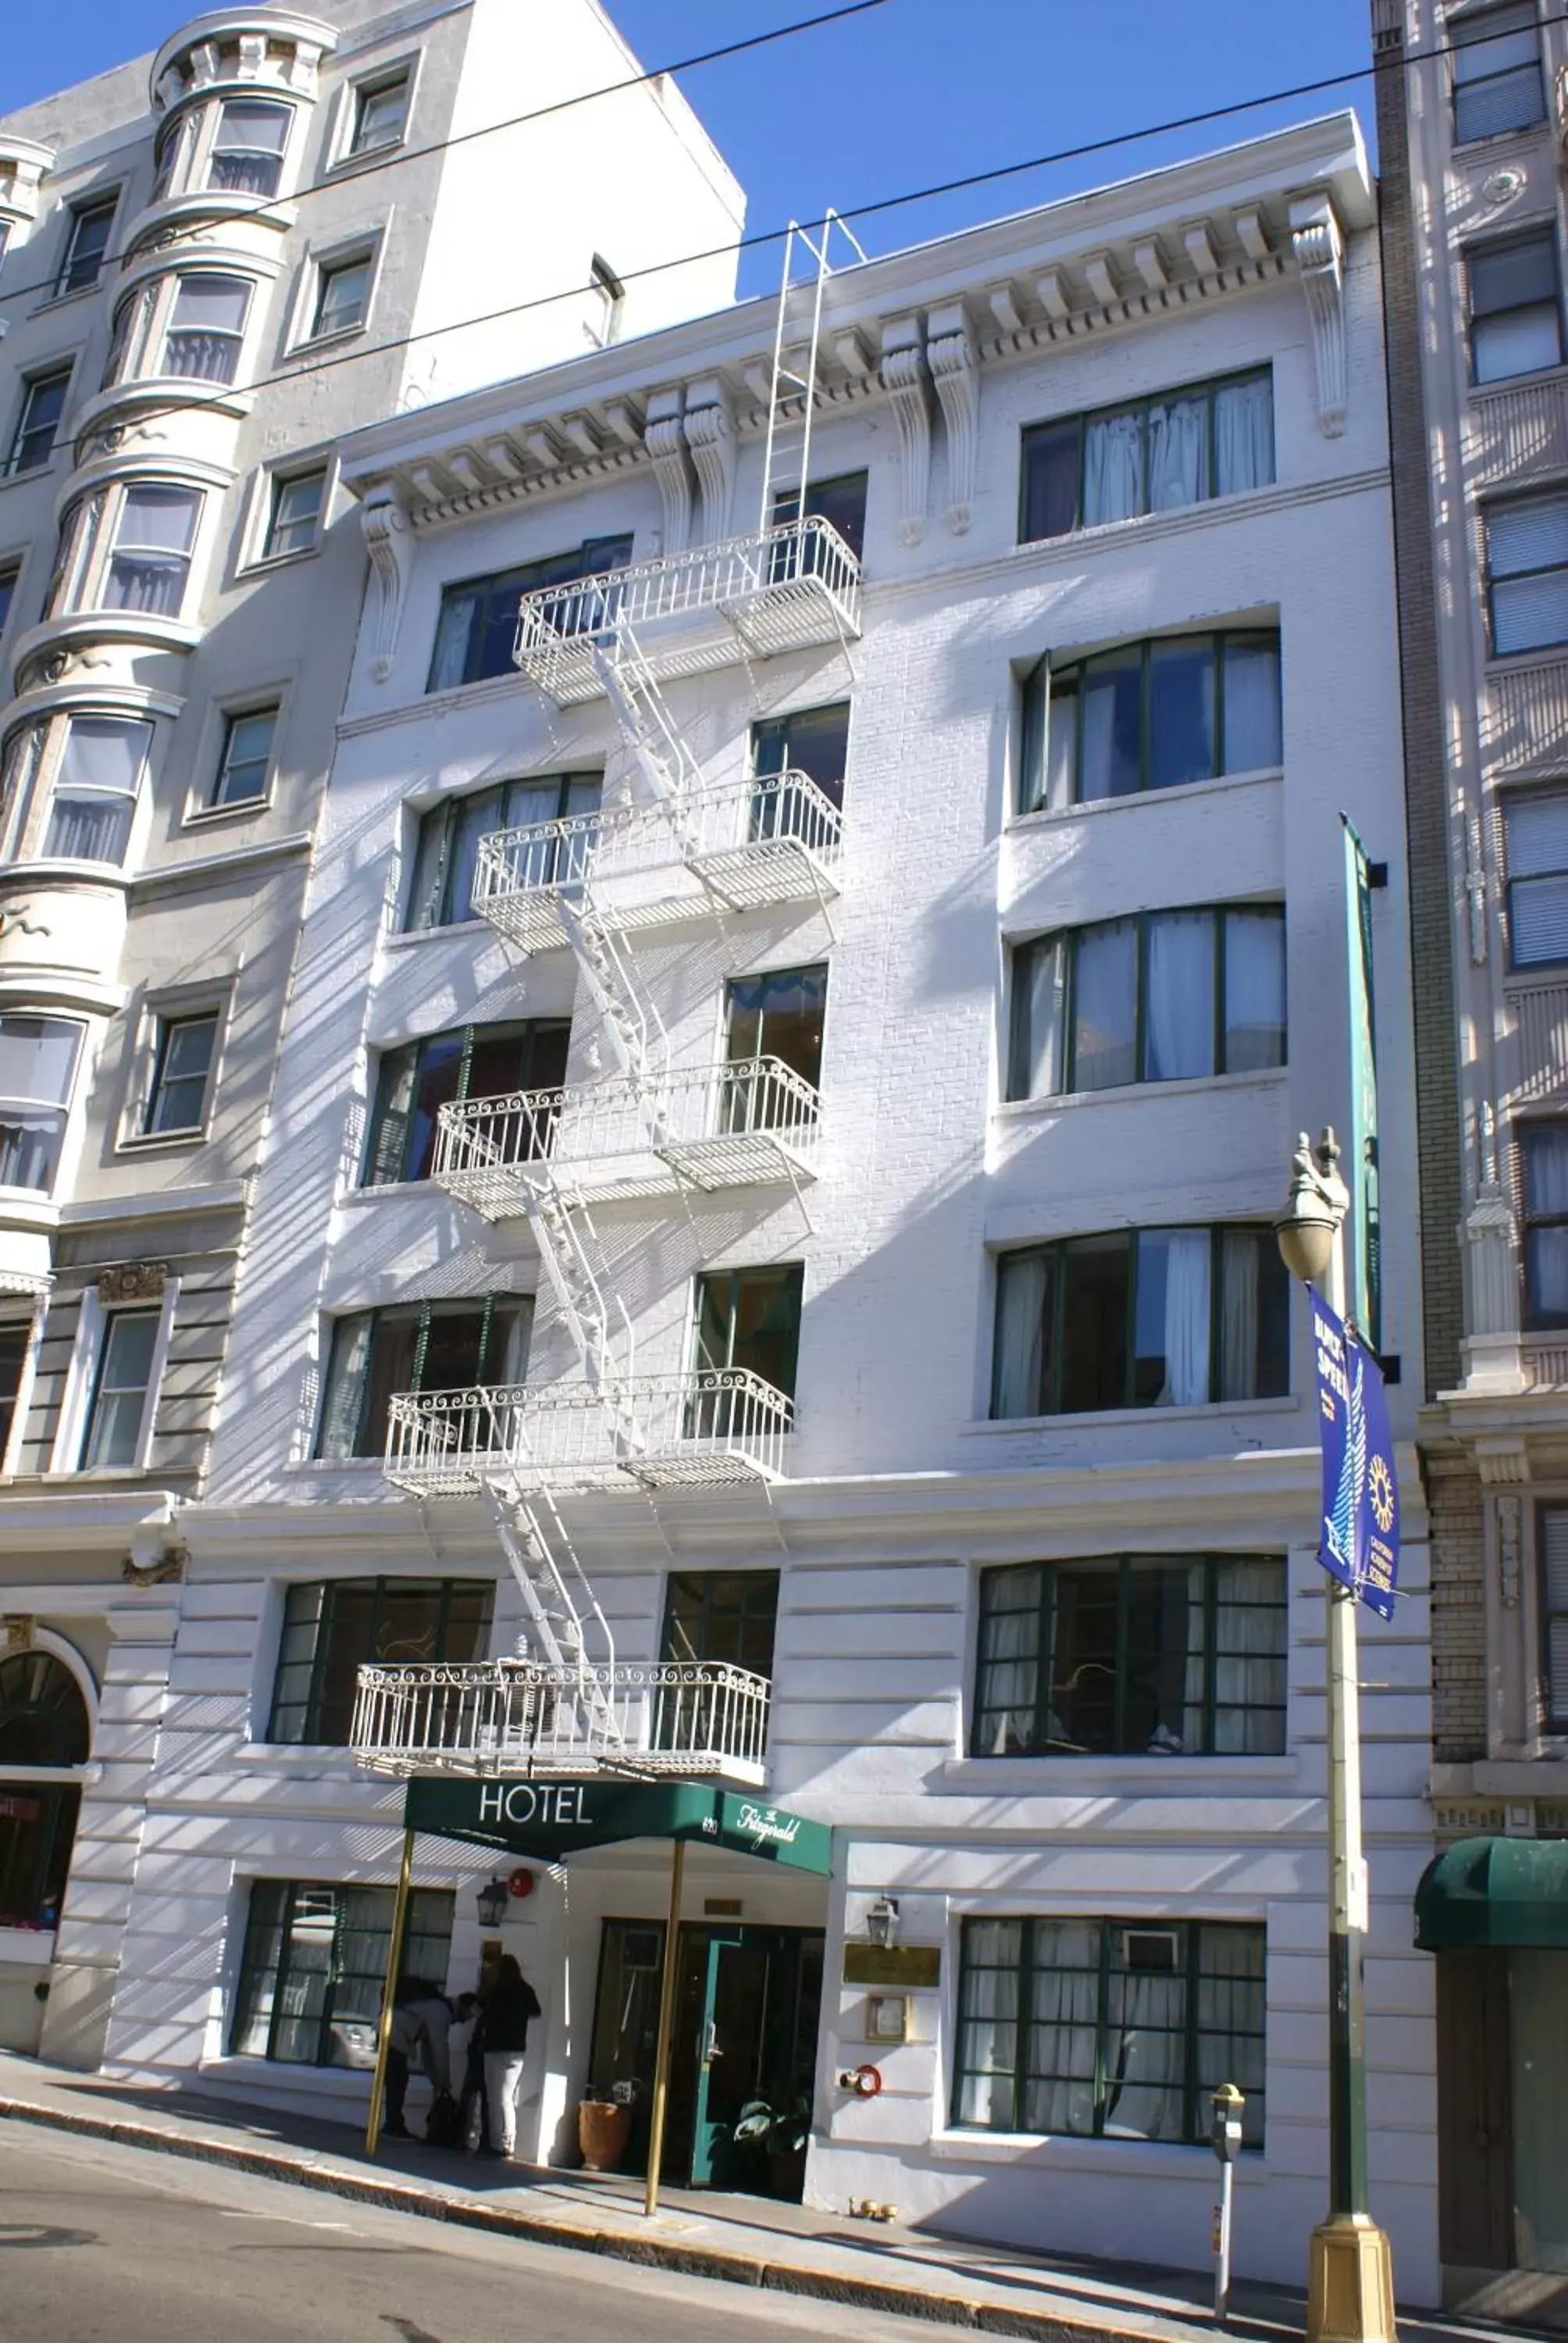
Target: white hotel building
792, 1054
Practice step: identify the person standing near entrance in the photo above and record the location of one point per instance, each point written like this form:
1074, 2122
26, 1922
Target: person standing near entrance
509, 2005
421, 2021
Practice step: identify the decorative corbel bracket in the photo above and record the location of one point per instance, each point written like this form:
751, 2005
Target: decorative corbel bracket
1319, 245
665, 438
904, 380
709, 429
386, 526
955, 370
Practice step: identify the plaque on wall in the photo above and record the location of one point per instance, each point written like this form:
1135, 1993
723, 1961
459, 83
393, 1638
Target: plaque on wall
906, 1966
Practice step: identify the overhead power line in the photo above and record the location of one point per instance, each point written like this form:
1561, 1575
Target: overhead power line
396, 156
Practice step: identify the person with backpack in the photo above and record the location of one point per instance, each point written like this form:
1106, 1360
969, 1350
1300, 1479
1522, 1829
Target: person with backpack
509, 2006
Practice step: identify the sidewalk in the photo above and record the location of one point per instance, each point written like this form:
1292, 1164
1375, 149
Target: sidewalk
750, 2241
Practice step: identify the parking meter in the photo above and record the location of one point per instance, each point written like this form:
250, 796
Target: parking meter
1225, 2139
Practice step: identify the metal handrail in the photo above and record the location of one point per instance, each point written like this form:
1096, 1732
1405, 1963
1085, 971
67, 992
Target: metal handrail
562, 1430
750, 1096
769, 810
722, 578
669, 1717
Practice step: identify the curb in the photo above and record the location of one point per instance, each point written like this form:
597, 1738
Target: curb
547, 2230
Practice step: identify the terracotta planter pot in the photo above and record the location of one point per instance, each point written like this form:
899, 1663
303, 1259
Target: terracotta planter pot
603, 2129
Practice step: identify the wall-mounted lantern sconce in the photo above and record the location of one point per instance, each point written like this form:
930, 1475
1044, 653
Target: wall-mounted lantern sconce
492, 1902
883, 1922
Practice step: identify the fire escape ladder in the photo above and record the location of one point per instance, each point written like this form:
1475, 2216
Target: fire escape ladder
558, 1598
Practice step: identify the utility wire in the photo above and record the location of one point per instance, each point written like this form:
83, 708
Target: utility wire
398, 156
863, 211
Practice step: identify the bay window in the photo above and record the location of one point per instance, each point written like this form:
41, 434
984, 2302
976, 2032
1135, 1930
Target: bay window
1133, 1655
1155, 455
475, 1061
1161, 996
151, 555
421, 1346
207, 328
1151, 715
1544, 1149
37, 1068
1109, 2030
1178, 1317
247, 155
94, 800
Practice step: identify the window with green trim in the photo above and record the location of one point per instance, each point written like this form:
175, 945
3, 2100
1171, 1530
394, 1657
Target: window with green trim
810, 740
1109, 2030
750, 1318
1133, 1655
1178, 448
1162, 996
333, 1628
479, 622
422, 1346
315, 1965
1140, 1318
474, 1062
447, 859
1153, 715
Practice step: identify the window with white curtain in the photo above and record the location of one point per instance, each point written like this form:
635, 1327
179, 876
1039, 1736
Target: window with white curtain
1151, 715
1536, 826
1133, 1655
1162, 996
1179, 447
1527, 574
1551, 1532
1140, 1318
248, 146
1543, 1147
207, 328
1109, 2030
37, 1067
1497, 79
151, 556
96, 781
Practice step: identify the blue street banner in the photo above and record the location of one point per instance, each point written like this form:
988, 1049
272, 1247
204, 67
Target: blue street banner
1366, 1271
1360, 1544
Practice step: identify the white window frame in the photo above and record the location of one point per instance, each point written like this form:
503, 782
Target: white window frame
159, 1010
279, 481
52, 370
26, 1382
199, 153
65, 1106
258, 524
92, 1329
102, 199
367, 245
207, 807
27, 820
89, 540
14, 566
606, 287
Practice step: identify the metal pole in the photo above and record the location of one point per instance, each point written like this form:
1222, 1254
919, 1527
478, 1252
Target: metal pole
1222, 2246
666, 2029
1347, 1876
394, 1963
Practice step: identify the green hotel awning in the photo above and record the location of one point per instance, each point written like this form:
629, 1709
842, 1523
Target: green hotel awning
1494, 1891
555, 1820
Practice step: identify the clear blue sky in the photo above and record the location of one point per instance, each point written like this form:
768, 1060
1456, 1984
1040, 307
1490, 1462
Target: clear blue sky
916, 92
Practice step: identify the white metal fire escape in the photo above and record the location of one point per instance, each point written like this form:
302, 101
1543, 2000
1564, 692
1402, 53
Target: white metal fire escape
641, 1129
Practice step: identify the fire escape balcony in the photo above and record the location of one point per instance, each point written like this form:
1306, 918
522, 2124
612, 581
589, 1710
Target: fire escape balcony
695, 1720
782, 589
772, 839
712, 1427
730, 1126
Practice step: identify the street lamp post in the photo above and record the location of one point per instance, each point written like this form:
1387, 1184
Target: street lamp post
1349, 2281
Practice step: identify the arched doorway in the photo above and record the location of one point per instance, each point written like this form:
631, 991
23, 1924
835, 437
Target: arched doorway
46, 1733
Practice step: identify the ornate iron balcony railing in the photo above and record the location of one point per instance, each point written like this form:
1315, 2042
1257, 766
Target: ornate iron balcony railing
707, 1428
772, 839
709, 1126
689, 1718
781, 589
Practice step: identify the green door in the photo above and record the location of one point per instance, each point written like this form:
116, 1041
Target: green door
729, 2046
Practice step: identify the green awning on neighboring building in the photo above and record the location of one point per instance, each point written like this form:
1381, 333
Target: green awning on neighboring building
555, 1820
1494, 1891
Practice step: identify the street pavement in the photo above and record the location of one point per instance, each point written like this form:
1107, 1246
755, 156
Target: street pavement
101, 2243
